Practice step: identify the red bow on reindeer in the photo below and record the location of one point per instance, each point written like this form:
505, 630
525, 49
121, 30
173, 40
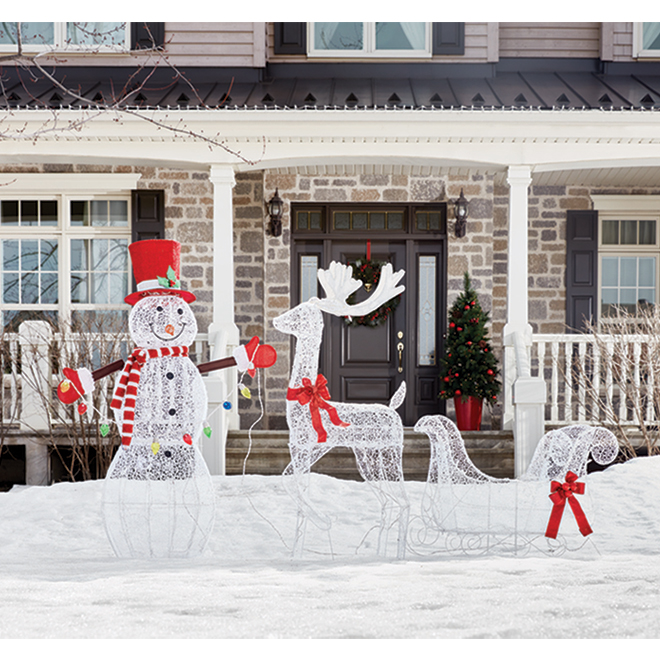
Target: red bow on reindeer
560, 494
316, 395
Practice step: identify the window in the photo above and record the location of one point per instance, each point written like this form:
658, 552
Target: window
646, 39
63, 257
628, 252
358, 39
69, 36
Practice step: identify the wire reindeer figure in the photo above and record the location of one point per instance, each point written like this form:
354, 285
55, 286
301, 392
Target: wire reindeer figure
374, 432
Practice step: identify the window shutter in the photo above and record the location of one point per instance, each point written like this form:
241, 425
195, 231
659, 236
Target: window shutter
448, 38
148, 214
147, 35
581, 268
290, 38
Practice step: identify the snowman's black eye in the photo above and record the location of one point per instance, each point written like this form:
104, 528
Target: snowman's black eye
180, 311
159, 308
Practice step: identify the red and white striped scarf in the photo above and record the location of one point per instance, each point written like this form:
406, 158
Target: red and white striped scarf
126, 391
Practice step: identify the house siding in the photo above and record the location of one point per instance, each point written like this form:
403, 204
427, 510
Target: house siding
189, 44
549, 40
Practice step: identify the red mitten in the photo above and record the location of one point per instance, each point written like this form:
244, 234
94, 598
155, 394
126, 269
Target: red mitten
77, 383
252, 356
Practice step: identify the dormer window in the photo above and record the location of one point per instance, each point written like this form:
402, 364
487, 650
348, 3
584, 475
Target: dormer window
65, 36
362, 39
646, 40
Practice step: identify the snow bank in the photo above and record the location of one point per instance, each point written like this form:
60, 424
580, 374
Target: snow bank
60, 578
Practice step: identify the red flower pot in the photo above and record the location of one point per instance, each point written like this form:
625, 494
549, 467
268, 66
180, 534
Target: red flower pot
468, 413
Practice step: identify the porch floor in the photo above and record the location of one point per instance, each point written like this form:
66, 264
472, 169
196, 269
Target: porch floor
491, 452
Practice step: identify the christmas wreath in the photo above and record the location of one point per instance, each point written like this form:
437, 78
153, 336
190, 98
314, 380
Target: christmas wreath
368, 272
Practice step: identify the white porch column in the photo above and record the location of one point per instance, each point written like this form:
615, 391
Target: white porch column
223, 332
519, 178
35, 338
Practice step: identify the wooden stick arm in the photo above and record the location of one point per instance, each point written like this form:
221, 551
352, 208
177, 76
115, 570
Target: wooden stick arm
224, 363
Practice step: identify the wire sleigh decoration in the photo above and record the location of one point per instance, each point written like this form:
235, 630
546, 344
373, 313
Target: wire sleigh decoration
463, 510
466, 511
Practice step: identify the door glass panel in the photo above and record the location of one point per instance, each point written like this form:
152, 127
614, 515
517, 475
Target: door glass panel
395, 220
426, 306
309, 265
359, 220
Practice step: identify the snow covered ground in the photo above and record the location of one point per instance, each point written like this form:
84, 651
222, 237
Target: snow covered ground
60, 579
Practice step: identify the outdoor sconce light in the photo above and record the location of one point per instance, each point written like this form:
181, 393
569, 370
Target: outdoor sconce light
461, 214
275, 210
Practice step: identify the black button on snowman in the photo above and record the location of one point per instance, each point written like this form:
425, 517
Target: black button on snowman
158, 498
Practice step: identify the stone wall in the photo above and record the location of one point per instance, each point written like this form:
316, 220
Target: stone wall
547, 250
473, 253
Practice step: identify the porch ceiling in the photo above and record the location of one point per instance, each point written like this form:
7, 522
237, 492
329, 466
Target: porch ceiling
610, 177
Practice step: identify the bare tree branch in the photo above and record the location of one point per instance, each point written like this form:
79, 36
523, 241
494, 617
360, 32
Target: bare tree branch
121, 103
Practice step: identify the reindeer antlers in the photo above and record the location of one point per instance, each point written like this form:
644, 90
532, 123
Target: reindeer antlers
338, 284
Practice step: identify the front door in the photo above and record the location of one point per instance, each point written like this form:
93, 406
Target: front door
365, 364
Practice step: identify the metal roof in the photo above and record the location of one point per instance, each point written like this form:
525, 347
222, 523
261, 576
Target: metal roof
580, 87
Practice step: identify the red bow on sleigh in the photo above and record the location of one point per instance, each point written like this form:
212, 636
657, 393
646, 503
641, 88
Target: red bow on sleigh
560, 494
315, 395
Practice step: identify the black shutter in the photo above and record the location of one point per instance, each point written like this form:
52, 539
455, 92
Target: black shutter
148, 214
581, 268
147, 35
448, 38
290, 38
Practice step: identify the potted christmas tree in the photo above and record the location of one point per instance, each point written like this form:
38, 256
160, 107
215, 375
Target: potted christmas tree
468, 371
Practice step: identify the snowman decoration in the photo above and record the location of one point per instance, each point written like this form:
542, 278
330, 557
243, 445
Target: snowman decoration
158, 498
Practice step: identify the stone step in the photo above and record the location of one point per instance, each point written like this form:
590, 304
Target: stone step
267, 453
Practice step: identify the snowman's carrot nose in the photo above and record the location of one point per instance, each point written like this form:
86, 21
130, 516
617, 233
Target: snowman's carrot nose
169, 329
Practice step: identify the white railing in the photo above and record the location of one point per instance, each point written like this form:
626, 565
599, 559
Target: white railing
62, 348
619, 370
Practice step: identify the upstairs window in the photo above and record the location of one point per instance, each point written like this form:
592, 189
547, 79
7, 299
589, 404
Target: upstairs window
65, 36
361, 39
646, 39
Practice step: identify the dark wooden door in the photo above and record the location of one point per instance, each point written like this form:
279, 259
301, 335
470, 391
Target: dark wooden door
367, 364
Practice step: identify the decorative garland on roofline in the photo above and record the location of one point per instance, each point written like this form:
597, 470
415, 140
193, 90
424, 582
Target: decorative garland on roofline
368, 271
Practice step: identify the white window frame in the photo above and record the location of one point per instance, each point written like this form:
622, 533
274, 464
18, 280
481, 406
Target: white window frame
627, 207
638, 42
60, 43
66, 188
369, 46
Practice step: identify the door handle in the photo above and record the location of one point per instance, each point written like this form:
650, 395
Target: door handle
399, 347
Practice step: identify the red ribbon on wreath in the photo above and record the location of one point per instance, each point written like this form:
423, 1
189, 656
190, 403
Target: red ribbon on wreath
315, 395
560, 494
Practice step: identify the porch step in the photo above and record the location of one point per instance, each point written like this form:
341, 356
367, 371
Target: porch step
490, 451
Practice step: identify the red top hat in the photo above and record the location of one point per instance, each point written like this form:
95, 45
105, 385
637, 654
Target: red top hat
156, 266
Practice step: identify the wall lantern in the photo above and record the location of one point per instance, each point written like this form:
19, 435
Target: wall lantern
461, 214
275, 210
